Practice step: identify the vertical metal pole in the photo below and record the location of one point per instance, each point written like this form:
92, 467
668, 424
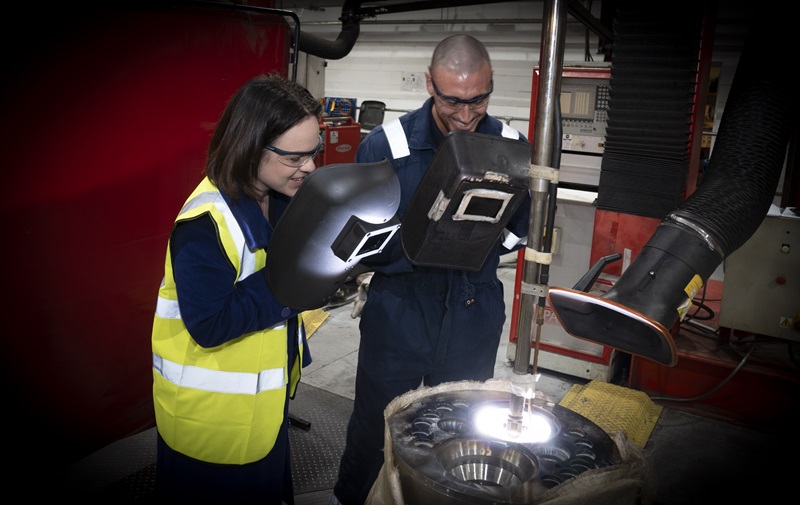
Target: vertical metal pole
551, 62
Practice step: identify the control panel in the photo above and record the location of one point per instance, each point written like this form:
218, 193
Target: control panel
761, 290
584, 114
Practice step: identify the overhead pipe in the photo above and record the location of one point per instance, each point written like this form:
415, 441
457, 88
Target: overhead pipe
303, 41
341, 47
353, 14
636, 314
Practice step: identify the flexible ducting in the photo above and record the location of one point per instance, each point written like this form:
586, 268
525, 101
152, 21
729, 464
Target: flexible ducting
745, 168
652, 294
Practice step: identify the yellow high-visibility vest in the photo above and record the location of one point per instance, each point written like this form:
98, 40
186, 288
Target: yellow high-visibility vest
223, 405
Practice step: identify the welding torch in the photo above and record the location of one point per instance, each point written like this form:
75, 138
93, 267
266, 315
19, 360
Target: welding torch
533, 294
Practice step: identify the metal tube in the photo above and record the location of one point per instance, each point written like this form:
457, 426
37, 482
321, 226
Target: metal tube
551, 64
543, 143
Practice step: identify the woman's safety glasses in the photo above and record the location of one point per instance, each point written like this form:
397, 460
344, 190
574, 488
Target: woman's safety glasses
295, 159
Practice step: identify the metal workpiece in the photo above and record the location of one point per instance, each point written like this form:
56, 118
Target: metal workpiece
444, 457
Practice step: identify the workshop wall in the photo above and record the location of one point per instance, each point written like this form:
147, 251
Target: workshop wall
395, 49
392, 54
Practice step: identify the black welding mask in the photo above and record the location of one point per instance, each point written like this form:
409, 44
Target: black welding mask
472, 187
341, 214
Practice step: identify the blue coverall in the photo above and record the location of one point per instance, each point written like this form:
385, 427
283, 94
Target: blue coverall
420, 325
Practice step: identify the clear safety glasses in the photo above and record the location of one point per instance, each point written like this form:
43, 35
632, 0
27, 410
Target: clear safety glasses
295, 159
455, 103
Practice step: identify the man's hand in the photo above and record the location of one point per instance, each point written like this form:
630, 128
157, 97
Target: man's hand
363, 281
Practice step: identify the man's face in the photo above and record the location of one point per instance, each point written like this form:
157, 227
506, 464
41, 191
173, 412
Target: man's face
460, 99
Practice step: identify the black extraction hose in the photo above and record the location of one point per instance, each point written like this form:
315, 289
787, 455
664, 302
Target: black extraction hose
740, 184
341, 47
749, 151
733, 199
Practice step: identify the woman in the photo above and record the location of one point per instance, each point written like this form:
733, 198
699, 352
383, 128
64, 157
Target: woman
226, 354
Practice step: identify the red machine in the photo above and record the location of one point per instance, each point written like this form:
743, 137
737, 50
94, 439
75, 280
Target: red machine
340, 137
107, 120
584, 132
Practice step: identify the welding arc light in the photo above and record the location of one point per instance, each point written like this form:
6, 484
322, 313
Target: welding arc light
491, 421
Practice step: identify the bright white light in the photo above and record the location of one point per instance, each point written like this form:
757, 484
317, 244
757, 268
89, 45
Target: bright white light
492, 421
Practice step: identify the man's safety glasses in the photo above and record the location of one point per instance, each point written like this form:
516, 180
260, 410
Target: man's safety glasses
455, 103
295, 159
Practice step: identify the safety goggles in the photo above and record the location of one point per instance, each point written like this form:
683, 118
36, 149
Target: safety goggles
295, 159
455, 103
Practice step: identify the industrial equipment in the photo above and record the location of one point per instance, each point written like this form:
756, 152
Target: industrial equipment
583, 102
761, 293
340, 138
449, 446
637, 313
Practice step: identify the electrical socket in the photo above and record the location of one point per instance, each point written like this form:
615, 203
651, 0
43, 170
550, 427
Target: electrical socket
413, 81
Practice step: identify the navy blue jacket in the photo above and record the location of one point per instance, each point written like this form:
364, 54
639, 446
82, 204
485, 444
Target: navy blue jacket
419, 325
424, 138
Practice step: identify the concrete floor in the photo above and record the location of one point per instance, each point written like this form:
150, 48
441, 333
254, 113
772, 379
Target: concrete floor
334, 348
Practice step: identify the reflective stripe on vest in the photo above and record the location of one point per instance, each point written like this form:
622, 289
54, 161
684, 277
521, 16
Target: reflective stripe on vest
218, 381
247, 259
510, 240
168, 309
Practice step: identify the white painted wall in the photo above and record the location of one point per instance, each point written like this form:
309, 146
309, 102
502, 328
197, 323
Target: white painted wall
386, 55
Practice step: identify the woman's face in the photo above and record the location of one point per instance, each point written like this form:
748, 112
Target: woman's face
285, 164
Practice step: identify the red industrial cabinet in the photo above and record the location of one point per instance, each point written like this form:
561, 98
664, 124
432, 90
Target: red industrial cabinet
584, 133
340, 138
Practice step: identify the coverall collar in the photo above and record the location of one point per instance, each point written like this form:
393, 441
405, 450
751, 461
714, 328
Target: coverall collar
425, 134
247, 212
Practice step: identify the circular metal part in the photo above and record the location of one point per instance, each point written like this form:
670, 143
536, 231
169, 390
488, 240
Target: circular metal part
486, 462
442, 457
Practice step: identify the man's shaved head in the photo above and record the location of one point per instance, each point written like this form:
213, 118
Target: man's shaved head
462, 54
460, 82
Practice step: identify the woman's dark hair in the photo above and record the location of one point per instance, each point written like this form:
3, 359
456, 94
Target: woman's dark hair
256, 115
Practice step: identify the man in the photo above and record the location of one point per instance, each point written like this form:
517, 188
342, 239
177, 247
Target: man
425, 325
